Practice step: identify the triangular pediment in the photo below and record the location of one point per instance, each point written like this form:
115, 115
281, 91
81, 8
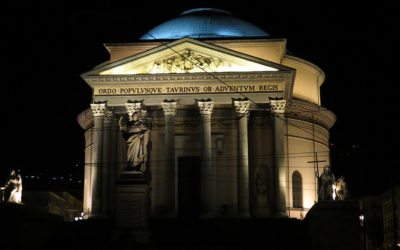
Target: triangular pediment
186, 56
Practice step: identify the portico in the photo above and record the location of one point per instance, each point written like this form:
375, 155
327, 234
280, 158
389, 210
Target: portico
192, 112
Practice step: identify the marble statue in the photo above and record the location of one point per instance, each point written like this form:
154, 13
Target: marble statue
261, 187
14, 184
326, 185
137, 135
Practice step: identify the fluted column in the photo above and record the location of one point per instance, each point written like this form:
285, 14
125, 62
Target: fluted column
169, 109
98, 111
278, 110
208, 178
242, 112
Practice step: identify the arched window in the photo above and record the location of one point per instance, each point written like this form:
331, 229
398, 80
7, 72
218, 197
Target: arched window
297, 189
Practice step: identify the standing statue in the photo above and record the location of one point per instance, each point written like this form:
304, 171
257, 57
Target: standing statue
326, 185
137, 135
14, 185
341, 189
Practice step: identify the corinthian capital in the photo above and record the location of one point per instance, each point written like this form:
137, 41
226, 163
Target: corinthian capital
205, 107
169, 107
277, 106
241, 106
135, 107
98, 108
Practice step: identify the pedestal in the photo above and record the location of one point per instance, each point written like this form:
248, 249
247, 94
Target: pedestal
333, 225
132, 205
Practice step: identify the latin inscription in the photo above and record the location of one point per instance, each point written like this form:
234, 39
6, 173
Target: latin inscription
195, 89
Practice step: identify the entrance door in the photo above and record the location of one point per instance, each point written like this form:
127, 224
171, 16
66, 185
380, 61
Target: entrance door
189, 187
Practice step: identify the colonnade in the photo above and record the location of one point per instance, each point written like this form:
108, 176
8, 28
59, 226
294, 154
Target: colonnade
104, 152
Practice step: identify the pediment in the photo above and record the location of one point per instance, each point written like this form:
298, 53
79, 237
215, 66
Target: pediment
186, 56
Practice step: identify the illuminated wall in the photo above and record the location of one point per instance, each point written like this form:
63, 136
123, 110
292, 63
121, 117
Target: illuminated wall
302, 138
300, 154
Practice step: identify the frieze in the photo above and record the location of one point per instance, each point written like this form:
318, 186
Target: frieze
184, 77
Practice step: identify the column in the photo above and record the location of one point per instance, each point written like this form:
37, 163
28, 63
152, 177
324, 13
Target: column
107, 125
169, 108
278, 110
113, 162
208, 178
242, 112
96, 180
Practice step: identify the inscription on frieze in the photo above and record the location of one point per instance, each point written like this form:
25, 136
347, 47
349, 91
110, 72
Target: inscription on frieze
181, 88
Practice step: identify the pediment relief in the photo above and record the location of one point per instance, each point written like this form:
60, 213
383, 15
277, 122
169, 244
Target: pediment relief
186, 57
186, 62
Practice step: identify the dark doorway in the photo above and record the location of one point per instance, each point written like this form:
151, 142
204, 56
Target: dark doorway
189, 187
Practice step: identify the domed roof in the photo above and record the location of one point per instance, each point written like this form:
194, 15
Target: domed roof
204, 23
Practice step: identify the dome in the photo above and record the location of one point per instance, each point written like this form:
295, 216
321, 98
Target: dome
204, 23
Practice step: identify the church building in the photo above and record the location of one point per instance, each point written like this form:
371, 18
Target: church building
204, 116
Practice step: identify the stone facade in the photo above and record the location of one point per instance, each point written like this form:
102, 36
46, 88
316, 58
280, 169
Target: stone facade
225, 141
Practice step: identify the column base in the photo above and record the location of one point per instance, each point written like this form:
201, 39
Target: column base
207, 216
280, 215
97, 217
243, 215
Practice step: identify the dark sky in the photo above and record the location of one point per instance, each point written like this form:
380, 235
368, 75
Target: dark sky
49, 44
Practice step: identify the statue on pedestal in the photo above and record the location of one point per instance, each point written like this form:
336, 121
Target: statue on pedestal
14, 186
137, 135
326, 185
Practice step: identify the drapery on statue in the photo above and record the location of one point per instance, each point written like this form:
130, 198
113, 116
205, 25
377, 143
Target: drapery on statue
14, 185
137, 135
326, 185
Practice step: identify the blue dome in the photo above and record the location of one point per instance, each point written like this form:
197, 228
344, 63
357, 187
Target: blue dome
204, 23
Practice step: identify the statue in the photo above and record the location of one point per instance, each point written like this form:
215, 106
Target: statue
261, 188
326, 185
137, 135
341, 189
14, 184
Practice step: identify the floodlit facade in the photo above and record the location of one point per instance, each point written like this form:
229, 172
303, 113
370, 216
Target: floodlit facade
231, 125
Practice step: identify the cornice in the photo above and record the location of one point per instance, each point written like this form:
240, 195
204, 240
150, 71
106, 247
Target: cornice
279, 75
306, 64
152, 43
311, 112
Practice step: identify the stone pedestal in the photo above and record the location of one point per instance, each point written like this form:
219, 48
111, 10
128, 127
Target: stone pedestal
333, 225
132, 205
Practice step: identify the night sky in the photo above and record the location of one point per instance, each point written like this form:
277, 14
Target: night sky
49, 44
